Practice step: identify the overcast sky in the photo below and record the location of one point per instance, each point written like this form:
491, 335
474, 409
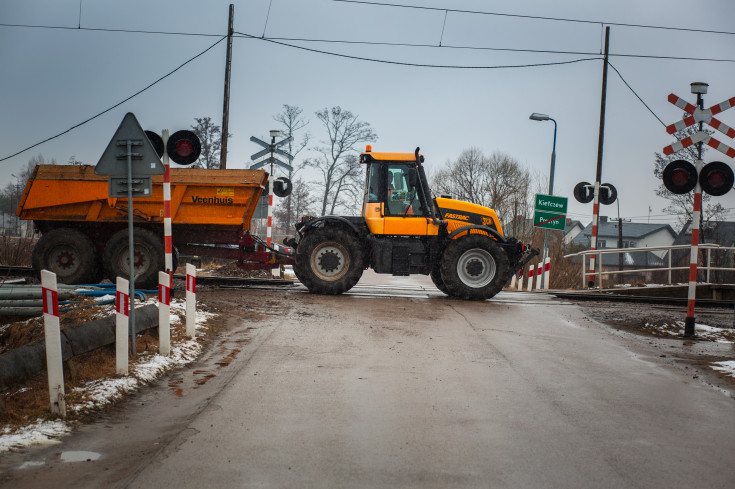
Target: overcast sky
53, 79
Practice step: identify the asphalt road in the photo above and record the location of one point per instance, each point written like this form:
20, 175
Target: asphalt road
398, 386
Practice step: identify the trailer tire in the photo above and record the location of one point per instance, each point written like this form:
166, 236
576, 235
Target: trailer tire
329, 261
68, 253
149, 257
474, 267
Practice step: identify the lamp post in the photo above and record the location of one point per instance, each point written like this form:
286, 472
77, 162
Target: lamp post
543, 117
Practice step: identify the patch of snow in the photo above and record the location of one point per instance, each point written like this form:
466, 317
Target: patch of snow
728, 367
40, 432
101, 392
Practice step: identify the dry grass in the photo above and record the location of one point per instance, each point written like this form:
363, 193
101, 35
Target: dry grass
16, 251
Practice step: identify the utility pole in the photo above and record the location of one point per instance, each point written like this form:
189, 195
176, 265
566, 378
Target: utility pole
226, 103
596, 204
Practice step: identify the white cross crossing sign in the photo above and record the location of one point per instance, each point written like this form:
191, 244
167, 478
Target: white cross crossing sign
700, 115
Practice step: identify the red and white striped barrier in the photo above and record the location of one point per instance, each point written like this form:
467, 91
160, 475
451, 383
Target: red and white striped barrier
122, 310
191, 300
52, 333
164, 314
547, 273
521, 274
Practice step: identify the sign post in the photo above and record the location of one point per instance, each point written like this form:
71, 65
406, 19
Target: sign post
143, 162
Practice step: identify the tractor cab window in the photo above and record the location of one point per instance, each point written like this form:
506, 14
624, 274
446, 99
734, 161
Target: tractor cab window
403, 191
373, 187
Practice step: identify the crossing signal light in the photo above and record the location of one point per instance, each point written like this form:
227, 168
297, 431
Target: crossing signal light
184, 147
680, 177
584, 192
156, 141
716, 178
608, 193
282, 187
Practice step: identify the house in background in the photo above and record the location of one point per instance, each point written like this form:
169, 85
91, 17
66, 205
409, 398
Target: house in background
571, 230
634, 235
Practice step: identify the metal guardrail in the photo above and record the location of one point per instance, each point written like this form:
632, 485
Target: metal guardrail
598, 273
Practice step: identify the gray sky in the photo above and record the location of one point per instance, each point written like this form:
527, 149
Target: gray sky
53, 79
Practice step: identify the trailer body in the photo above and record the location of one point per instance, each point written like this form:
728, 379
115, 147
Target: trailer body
84, 232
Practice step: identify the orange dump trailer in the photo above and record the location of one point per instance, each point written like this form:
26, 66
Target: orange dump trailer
84, 233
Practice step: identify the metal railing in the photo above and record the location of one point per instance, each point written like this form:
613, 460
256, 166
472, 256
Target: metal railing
598, 273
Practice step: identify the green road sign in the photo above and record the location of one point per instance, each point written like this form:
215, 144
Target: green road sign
549, 220
550, 212
551, 203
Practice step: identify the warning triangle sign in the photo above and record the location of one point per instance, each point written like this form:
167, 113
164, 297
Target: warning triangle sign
114, 160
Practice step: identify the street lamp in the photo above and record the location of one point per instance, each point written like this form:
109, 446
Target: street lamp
543, 117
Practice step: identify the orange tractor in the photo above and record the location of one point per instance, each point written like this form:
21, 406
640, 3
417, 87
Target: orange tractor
403, 230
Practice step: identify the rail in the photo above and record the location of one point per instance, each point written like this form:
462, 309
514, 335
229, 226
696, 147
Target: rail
599, 273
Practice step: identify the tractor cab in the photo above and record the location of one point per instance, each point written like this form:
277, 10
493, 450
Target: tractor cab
395, 200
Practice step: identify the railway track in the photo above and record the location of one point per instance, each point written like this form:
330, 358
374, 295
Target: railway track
244, 282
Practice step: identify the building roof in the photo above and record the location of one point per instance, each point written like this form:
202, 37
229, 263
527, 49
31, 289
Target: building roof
631, 230
571, 225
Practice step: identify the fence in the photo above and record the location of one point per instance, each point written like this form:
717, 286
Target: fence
599, 273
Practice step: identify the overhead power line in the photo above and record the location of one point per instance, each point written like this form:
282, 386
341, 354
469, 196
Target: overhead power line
539, 17
117, 104
404, 63
376, 43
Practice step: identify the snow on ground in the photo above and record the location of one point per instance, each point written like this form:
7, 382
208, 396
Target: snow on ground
703, 331
727, 367
101, 392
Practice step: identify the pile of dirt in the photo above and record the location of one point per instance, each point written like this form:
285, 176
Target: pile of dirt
232, 270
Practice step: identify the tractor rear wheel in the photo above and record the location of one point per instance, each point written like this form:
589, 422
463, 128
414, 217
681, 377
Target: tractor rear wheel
436, 277
148, 257
68, 253
329, 261
474, 267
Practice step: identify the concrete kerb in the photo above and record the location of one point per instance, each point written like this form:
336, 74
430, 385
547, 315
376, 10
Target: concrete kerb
22, 363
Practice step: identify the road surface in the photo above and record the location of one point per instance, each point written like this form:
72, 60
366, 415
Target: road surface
395, 385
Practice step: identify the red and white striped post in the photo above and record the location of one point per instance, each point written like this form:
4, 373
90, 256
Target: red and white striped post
122, 306
167, 241
52, 333
191, 299
164, 314
531, 270
547, 270
539, 269
694, 256
521, 274
268, 232
593, 238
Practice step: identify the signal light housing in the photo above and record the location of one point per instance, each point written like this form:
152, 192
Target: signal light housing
583, 192
184, 147
156, 141
680, 177
716, 178
282, 187
608, 193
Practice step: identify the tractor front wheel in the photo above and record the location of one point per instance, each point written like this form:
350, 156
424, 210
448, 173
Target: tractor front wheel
474, 267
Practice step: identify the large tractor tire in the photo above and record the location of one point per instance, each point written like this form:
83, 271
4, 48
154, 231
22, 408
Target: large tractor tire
436, 277
68, 253
329, 261
474, 267
148, 257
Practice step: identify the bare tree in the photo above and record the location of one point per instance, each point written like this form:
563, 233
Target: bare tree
336, 162
209, 135
497, 181
292, 122
302, 204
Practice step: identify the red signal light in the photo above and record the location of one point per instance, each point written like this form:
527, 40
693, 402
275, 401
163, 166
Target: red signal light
184, 147
716, 178
680, 177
